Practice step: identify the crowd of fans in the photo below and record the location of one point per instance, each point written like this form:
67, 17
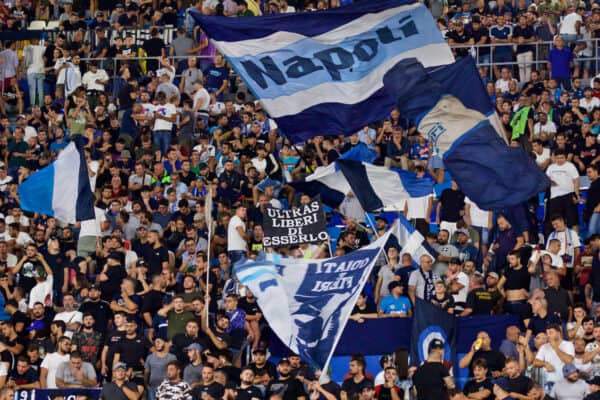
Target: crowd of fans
121, 303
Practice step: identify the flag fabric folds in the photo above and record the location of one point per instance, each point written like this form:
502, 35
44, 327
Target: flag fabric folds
332, 71
451, 110
314, 298
375, 187
62, 189
360, 152
411, 241
431, 322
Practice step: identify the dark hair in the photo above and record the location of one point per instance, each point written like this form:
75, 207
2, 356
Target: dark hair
480, 362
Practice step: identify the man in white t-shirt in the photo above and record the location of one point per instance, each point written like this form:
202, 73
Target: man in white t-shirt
95, 79
544, 129
71, 317
165, 115
571, 24
589, 102
564, 190
479, 220
552, 356
458, 284
52, 361
542, 154
201, 101
237, 236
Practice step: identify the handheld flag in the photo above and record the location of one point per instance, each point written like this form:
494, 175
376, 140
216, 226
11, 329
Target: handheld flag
450, 110
431, 322
411, 241
314, 297
62, 189
331, 71
360, 152
375, 187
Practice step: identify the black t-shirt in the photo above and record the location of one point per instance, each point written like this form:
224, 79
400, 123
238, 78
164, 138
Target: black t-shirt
112, 286
351, 387
474, 387
521, 385
558, 302
460, 38
154, 258
429, 381
288, 389
480, 301
249, 393
384, 393
153, 301
453, 201
525, 33
101, 312
269, 367
477, 36
153, 47
517, 279
369, 309
250, 308
214, 389
133, 351
494, 359
587, 154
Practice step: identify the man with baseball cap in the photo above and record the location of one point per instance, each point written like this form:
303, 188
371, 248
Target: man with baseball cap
570, 387
285, 386
120, 388
432, 379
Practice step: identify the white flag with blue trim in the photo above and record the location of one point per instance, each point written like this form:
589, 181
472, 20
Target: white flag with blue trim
62, 189
308, 302
330, 71
411, 240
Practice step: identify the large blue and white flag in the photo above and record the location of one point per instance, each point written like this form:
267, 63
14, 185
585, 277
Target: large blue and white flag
331, 71
411, 241
450, 108
360, 152
373, 186
307, 302
62, 189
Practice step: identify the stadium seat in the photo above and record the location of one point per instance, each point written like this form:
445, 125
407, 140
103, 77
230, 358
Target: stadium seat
37, 25
53, 25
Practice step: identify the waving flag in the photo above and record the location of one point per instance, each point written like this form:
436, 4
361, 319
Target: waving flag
411, 241
314, 297
450, 107
431, 322
375, 187
330, 71
62, 189
360, 152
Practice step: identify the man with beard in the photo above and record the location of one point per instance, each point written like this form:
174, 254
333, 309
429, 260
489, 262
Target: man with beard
183, 341
192, 373
132, 350
71, 317
110, 343
88, 341
247, 390
156, 365
98, 308
260, 365
52, 361
208, 386
287, 387
120, 388
571, 387
174, 387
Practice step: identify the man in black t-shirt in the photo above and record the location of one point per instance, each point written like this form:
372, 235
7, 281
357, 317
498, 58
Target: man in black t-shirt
432, 379
517, 383
247, 390
132, 350
480, 384
208, 386
459, 36
287, 387
452, 202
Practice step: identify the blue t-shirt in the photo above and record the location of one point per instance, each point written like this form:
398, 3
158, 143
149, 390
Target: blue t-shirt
560, 60
215, 77
391, 305
501, 33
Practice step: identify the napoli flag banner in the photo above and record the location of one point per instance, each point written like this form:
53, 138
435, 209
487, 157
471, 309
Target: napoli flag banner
329, 71
449, 109
313, 298
431, 322
62, 189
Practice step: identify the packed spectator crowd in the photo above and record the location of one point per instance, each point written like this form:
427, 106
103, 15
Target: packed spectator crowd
122, 303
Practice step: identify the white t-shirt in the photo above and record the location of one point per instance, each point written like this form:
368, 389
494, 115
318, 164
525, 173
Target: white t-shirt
93, 227
547, 354
35, 53
569, 241
203, 98
89, 79
234, 240
417, 207
461, 296
42, 292
567, 26
563, 176
69, 317
548, 127
540, 159
590, 104
479, 217
502, 84
566, 390
51, 363
167, 110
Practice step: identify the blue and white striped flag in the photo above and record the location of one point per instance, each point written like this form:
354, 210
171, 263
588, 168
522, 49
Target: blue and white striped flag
333, 71
308, 302
411, 241
62, 189
374, 187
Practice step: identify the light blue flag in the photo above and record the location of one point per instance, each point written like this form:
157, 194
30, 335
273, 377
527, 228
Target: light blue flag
62, 189
331, 71
411, 241
308, 302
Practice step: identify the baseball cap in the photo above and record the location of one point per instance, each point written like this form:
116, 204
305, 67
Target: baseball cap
140, 263
494, 275
594, 381
120, 365
260, 350
284, 360
436, 344
463, 231
94, 287
199, 217
568, 369
36, 325
455, 260
194, 346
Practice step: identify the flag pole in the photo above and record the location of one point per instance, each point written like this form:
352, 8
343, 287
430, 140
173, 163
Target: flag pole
387, 260
208, 217
346, 317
